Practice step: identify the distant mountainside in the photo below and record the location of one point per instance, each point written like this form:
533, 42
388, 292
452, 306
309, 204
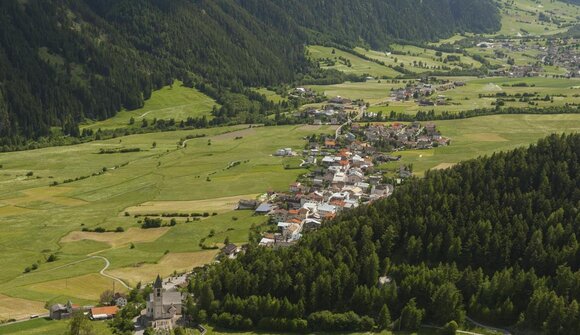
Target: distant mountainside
62, 61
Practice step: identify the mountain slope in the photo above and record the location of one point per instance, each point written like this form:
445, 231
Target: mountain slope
63, 60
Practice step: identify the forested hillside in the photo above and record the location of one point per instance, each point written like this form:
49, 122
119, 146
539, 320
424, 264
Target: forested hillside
63, 61
493, 238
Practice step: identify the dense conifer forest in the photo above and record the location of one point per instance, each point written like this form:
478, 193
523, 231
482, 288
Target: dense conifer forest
64, 61
494, 239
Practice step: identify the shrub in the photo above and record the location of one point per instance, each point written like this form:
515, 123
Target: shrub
119, 230
450, 328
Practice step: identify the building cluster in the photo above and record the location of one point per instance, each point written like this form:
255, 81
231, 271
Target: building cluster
342, 176
336, 111
66, 311
397, 137
564, 55
424, 93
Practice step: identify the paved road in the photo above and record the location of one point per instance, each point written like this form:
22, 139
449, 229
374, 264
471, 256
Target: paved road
361, 111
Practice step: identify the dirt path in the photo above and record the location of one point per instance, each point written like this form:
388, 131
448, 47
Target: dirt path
102, 272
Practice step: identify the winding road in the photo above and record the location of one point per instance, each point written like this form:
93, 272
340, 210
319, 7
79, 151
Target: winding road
102, 272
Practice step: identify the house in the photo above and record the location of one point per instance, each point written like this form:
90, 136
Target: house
247, 204
279, 215
61, 312
264, 208
120, 300
285, 152
164, 308
354, 177
231, 250
326, 209
295, 187
329, 144
103, 313
311, 224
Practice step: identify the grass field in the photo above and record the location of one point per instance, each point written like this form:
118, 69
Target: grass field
521, 17
464, 98
417, 59
38, 220
48, 327
359, 66
176, 102
271, 95
480, 136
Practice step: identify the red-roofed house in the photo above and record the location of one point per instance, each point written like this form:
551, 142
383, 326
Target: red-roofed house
103, 313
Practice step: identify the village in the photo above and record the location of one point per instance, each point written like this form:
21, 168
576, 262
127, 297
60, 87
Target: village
424, 92
342, 175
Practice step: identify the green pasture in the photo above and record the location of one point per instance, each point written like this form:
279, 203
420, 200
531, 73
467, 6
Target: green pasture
562, 91
359, 66
172, 102
418, 59
471, 138
35, 217
48, 327
271, 95
521, 17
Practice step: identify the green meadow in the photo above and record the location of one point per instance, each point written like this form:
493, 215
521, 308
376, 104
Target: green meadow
171, 102
480, 136
358, 66
199, 176
47, 327
417, 59
378, 93
521, 17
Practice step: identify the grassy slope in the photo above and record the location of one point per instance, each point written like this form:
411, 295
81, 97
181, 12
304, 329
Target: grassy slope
163, 173
177, 102
359, 66
414, 54
480, 136
47, 327
522, 16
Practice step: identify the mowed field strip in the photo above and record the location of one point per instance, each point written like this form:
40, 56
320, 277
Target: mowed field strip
218, 205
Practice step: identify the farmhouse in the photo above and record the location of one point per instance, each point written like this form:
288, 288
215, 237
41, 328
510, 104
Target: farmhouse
61, 312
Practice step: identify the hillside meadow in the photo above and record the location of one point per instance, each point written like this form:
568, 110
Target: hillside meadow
171, 102
164, 176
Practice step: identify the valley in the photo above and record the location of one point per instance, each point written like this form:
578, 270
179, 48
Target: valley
74, 211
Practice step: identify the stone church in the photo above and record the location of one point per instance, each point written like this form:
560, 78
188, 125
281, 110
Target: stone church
163, 307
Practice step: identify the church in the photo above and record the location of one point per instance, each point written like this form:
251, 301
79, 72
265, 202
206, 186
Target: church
163, 307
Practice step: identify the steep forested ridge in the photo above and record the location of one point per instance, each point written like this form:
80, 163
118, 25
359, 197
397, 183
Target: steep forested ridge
65, 60
494, 238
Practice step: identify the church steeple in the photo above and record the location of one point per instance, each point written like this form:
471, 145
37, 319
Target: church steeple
158, 282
